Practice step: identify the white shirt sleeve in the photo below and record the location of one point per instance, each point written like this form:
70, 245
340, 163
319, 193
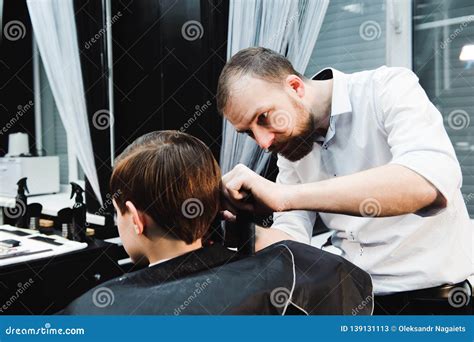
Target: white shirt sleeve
297, 223
415, 130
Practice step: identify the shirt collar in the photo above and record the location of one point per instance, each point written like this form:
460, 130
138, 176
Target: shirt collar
341, 102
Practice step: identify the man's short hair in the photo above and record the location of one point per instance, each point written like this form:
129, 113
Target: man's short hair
174, 178
255, 61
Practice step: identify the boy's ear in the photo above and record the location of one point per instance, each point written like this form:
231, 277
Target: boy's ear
138, 218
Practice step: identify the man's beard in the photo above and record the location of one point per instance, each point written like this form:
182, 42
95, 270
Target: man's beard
297, 147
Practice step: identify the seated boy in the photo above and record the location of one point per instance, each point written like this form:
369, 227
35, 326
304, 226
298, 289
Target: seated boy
166, 187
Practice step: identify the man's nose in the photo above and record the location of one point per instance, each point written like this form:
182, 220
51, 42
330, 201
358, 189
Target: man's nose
264, 138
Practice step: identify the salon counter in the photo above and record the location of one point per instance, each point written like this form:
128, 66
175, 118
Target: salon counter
47, 285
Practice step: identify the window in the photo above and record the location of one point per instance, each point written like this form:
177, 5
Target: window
350, 30
443, 50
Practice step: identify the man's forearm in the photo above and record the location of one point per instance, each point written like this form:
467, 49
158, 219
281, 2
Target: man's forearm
383, 191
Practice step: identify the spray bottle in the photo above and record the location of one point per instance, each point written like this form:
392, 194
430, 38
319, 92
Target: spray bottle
21, 203
78, 214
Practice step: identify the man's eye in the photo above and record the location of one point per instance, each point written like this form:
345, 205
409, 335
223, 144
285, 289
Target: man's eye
262, 118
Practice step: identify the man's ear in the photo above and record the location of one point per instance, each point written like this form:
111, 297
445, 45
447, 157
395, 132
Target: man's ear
138, 218
296, 84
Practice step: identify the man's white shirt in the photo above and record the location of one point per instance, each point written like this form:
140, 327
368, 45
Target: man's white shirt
381, 117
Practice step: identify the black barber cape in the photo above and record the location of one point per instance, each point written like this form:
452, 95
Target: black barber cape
285, 278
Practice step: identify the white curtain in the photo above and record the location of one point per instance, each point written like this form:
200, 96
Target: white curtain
54, 28
290, 27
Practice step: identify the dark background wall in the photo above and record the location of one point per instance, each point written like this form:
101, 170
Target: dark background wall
16, 81
162, 78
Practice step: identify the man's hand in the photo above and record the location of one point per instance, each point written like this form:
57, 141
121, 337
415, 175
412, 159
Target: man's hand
243, 189
383, 191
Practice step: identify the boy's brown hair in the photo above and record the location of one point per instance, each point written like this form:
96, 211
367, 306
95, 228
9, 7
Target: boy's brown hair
174, 178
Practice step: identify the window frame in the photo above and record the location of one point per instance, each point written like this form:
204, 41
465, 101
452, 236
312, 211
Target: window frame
399, 33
